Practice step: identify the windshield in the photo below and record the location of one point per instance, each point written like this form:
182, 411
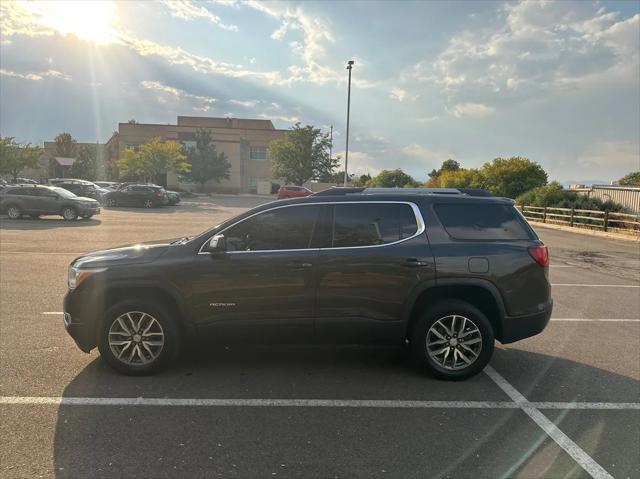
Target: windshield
427, 258
62, 192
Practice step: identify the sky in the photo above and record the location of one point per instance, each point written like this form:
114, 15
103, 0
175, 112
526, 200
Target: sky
556, 82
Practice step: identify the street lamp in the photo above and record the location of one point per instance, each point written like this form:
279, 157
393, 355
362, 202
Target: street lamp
346, 150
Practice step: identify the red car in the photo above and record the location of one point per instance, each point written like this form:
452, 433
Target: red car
293, 192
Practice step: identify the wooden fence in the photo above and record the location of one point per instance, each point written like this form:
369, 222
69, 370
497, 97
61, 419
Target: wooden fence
591, 219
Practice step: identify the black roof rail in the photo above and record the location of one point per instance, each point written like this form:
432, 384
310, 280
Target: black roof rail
351, 190
339, 191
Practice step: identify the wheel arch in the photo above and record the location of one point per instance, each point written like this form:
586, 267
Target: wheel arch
479, 293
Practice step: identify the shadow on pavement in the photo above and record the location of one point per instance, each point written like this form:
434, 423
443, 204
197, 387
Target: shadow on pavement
45, 223
110, 441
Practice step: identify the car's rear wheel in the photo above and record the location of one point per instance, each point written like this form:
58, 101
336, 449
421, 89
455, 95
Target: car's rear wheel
148, 204
14, 212
111, 202
452, 340
69, 213
137, 338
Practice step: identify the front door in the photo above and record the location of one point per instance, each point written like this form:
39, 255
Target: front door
377, 254
264, 285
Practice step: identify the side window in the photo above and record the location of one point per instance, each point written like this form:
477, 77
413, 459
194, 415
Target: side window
279, 229
370, 224
482, 222
46, 193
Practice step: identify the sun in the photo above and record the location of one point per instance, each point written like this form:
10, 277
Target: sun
91, 20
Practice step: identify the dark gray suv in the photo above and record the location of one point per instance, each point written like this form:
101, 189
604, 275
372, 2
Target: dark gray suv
39, 200
444, 274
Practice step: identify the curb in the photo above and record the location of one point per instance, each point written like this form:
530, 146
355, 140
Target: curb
588, 232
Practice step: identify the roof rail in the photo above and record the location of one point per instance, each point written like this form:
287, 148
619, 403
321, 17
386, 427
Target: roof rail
349, 190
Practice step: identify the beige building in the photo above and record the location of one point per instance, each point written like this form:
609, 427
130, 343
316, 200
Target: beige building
243, 141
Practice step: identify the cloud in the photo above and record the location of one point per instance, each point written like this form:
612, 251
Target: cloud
35, 76
471, 110
611, 159
245, 103
401, 94
188, 10
423, 153
196, 102
537, 48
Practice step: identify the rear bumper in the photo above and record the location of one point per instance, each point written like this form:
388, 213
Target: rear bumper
515, 328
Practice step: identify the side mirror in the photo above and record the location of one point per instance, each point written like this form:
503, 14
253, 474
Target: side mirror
217, 244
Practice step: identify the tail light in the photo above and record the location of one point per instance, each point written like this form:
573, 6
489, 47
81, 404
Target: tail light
159, 195
540, 254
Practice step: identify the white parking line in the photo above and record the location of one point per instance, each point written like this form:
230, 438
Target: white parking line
310, 403
599, 320
561, 439
598, 285
561, 266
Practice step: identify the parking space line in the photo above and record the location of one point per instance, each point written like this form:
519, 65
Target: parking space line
561, 439
597, 320
597, 285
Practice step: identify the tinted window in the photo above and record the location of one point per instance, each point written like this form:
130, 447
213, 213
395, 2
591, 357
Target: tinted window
279, 229
23, 191
483, 222
372, 224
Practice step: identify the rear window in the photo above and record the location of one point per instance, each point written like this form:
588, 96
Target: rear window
371, 224
483, 222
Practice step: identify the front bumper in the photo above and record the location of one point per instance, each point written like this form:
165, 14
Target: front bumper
515, 328
79, 322
88, 210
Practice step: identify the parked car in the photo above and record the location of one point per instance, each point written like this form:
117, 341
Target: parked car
173, 197
40, 200
445, 274
110, 185
78, 187
136, 195
293, 192
23, 181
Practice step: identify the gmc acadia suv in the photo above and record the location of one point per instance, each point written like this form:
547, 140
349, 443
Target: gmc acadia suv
444, 273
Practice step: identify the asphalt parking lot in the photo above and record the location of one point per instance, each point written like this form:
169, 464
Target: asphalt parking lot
562, 404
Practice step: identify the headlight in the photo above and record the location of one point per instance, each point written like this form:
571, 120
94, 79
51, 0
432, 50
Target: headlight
77, 276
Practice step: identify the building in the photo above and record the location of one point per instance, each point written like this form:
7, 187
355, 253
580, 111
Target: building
243, 141
627, 196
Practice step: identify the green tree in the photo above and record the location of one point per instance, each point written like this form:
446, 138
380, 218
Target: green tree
205, 162
632, 179
85, 167
336, 177
15, 157
513, 176
302, 155
65, 145
462, 178
392, 178
362, 180
155, 157
553, 195
447, 165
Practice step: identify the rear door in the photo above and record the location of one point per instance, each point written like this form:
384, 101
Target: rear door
378, 253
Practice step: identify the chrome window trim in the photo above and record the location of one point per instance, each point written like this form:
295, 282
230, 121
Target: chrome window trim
421, 227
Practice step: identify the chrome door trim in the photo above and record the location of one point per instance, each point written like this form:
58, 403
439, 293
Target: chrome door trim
420, 223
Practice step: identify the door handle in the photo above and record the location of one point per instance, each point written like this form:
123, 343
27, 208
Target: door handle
415, 263
299, 265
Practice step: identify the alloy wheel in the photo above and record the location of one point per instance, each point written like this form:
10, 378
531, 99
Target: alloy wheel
69, 214
454, 342
136, 338
13, 212
148, 203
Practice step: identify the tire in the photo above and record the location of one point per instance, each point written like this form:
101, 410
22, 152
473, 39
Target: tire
13, 212
148, 203
139, 311
69, 213
111, 202
469, 322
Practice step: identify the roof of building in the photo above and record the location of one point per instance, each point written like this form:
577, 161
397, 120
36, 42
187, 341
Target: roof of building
65, 161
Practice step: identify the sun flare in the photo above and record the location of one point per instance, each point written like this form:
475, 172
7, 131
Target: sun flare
91, 20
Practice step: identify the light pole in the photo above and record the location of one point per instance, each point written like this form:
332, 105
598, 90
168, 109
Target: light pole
331, 143
346, 150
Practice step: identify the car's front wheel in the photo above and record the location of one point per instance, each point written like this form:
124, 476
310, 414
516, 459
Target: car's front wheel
69, 213
14, 212
138, 338
452, 340
148, 204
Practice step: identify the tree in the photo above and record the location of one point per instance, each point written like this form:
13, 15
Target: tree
553, 195
632, 179
462, 178
447, 165
206, 163
85, 166
512, 177
362, 180
15, 157
392, 178
155, 157
66, 145
302, 155
336, 177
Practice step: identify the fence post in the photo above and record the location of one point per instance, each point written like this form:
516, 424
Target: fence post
544, 215
606, 219
573, 212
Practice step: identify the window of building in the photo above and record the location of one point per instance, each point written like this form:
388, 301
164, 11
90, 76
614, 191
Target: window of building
370, 224
279, 229
258, 153
482, 222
